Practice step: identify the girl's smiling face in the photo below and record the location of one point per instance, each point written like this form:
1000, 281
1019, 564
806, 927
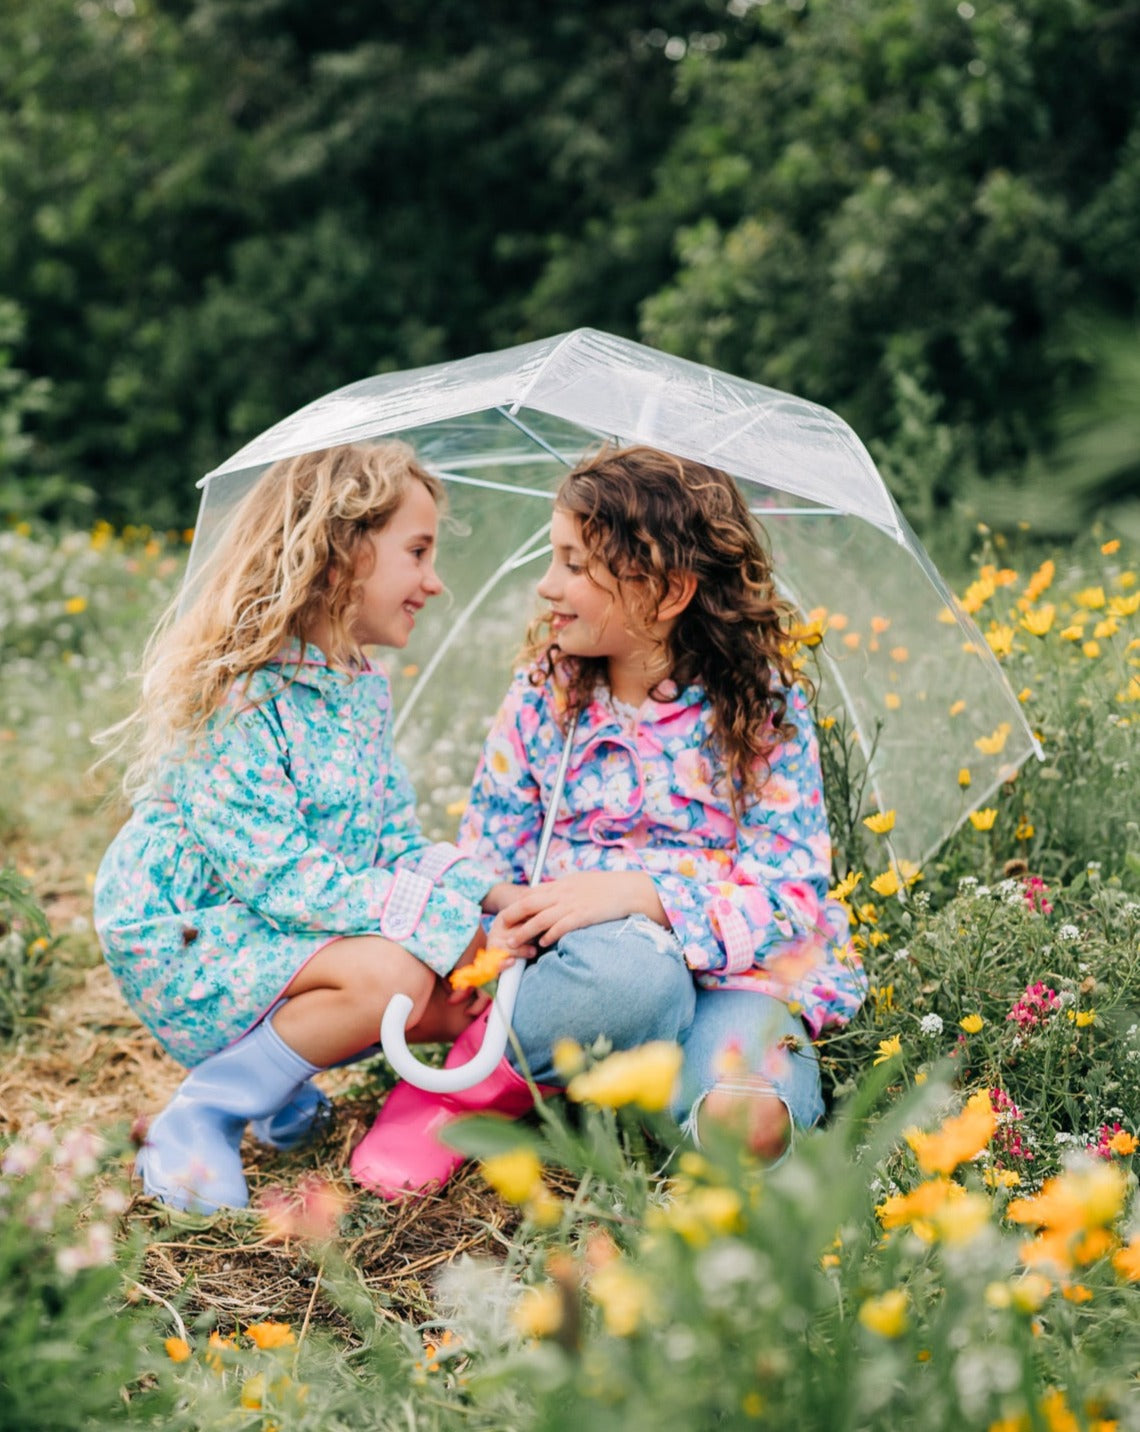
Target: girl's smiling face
396, 569
588, 610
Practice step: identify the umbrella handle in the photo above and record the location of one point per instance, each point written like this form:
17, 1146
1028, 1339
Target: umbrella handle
394, 1025
393, 1028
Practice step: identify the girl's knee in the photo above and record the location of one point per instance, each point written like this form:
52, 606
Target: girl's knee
750, 1109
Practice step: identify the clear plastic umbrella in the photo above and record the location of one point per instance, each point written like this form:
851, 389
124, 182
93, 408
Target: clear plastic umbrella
906, 668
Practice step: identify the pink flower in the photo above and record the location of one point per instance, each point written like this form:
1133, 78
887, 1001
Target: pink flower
1036, 894
1034, 1006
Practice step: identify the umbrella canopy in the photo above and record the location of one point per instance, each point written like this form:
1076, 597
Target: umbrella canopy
900, 663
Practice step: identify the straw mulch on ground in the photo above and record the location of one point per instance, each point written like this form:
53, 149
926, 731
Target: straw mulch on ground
90, 1061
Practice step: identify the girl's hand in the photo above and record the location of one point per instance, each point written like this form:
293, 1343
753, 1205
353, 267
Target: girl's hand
548, 911
501, 895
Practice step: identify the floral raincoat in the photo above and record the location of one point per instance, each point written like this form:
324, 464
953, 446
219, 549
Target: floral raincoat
748, 902
291, 823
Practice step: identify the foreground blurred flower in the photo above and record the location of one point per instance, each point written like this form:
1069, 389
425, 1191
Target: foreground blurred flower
960, 1138
645, 1076
1072, 1211
177, 1349
886, 1314
486, 966
312, 1211
539, 1312
623, 1296
516, 1175
270, 1335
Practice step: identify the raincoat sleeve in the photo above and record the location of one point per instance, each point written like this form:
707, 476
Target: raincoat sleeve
503, 820
771, 912
242, 810
404, 846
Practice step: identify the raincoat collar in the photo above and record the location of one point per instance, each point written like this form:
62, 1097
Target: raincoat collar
306, 664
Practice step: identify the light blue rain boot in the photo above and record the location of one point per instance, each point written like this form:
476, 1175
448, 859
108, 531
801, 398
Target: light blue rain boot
295, 1122
192, 1155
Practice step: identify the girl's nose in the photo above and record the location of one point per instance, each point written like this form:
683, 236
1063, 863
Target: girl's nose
546, 587
431, 582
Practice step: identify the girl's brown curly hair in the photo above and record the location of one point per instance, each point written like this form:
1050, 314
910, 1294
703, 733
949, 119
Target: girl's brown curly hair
646, 516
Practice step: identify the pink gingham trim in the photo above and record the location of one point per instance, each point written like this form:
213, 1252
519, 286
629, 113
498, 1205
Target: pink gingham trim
735, 936
437, 859
405, 904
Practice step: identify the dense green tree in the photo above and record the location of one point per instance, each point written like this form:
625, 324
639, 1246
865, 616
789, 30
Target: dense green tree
217, 210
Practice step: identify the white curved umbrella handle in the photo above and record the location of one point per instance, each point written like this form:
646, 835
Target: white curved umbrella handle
394, 1025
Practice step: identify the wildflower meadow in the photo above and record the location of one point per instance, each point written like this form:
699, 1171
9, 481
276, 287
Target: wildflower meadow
957, 1246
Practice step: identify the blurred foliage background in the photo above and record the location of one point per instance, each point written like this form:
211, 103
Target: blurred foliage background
924, 214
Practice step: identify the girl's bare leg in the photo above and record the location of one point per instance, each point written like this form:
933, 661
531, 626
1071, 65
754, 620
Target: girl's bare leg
333, 1007
751, 1109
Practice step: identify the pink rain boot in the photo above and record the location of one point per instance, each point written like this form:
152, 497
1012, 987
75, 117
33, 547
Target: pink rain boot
400, 1156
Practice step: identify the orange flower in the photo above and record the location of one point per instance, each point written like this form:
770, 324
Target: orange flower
487, 965
270, 1334
960, 1138
177, 1349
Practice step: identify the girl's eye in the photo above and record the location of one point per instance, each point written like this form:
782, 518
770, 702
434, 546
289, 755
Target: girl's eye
573, 568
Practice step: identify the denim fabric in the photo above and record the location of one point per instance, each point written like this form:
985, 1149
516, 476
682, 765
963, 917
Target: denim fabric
626, 979
749, 1027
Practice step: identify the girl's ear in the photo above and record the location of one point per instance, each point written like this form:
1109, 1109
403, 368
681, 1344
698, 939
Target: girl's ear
679, 593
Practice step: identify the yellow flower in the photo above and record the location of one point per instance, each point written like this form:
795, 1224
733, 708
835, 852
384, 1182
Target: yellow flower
1108, 548
1091, 598
960, 1220
846, 886
1000, 638
1091, 649
983, 819
645, 1076
1025, 829
888, 1048
543, 1209
1001, 1178
881, 822
622, 1295
892, 700
957, 708
1125, 606
74, 605
1105, 628
1024, 694
253, 1391
1041, 580
900, 654
1028, 1292
972, 1023
539, 1312
177, 1349
964, 777
1123, 1143
268, 1335
568, 1057
886, 884
1038, 623
515, 1175
1082, 1018
1073, 632
994, 744
960, 1138
752, 1404
886, 1314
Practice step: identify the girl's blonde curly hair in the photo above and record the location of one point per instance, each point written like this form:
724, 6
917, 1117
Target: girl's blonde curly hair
289, 558
646, 516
